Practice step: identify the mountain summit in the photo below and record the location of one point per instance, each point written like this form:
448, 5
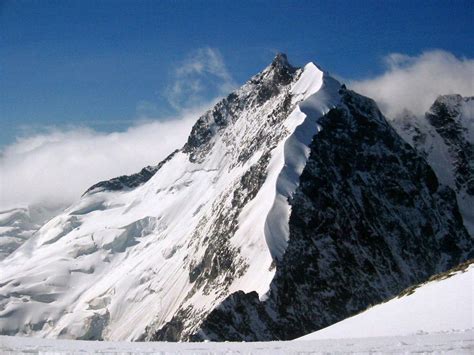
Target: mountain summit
445, 136
292, 205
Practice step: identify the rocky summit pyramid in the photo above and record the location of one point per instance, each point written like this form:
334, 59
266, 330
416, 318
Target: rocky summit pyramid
292, 205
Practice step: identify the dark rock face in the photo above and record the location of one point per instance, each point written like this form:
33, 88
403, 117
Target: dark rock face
444, 117
199, 141
368, 220
129, 181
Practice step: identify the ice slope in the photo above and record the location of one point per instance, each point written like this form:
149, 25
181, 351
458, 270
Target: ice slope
125, 259
444, 305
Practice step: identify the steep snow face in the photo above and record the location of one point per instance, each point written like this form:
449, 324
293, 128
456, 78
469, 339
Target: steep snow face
445, 136
173, 240
445, 304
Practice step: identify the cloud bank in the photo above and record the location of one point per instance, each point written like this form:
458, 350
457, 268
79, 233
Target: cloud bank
203, 72
56, 167
414, 82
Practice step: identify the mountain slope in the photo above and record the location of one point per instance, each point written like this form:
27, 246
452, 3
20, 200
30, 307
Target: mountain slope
445, 304
290, 187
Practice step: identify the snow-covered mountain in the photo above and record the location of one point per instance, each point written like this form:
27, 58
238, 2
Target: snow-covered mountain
18, 224
292, 205
445, 136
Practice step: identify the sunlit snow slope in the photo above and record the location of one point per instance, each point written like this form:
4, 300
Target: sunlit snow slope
445, 304
180, 237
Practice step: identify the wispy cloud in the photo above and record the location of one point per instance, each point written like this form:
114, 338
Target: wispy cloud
145, 108
204, 71
414, 82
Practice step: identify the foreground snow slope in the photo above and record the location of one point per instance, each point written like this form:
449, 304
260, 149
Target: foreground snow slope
456, 343
445, 304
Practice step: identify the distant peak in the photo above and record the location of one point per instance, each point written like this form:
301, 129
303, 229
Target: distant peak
281, 61
447, 104
282, 70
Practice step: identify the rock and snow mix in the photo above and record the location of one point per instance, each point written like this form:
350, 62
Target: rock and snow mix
445, 136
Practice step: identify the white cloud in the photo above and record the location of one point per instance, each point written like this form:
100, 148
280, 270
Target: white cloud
56, 167
414, 82
202, 72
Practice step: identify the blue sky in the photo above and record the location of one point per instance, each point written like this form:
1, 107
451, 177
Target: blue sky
105, 64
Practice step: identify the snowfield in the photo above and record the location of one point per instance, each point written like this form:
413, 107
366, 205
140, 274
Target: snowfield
436, 317
444, 343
